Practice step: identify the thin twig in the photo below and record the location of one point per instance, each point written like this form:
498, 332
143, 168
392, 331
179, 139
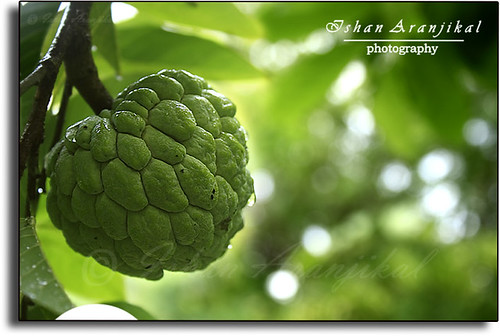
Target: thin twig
32, 191
61, 116
32, 79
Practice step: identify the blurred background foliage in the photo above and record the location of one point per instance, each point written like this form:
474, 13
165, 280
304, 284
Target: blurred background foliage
375, 176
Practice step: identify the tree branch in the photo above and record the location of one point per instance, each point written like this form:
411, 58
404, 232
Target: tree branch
80, 66
52, 59
32, 79
32, 191
44, 76
34, 130
73, 45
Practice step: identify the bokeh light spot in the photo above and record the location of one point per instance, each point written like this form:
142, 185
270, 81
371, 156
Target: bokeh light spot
263, 185
282, 285
316, 240
351, 143
350, 79
121, 12
451, 229
477, 132
440, 200
273, 56
317, 42
435, 166
395, 177
360, 121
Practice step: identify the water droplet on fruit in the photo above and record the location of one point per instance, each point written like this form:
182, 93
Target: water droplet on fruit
251, 200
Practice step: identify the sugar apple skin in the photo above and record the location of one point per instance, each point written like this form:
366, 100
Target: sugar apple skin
156, 183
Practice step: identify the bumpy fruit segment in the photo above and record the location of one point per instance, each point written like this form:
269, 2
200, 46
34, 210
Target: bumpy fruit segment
156, 183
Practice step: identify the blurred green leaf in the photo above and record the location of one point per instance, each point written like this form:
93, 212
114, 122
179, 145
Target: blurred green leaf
153, 48
37, 280
298, 90
419, 104
138, 312
295, 20
83, 278
221, 16
34, 21
406, 131
102, 30
439, 95
51, 32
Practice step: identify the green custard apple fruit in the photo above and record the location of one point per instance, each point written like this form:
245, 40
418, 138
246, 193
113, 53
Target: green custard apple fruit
156, 183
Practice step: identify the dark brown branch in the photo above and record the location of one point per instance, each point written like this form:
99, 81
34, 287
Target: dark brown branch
32, 191
32, 79
52, 59
34, 130
80, 66
44, 76
73, 45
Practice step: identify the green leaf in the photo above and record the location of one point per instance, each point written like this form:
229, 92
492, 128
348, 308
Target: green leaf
34, 21
438, 94
221, 16
37, 280
153, 48
84, 280
103, 34
419, 104
138, 312
405, 130
51, 32
295, 92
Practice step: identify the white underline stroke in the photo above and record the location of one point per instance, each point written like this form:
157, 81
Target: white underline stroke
389, 40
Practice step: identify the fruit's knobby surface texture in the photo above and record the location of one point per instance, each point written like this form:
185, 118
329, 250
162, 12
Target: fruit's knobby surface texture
156, 183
